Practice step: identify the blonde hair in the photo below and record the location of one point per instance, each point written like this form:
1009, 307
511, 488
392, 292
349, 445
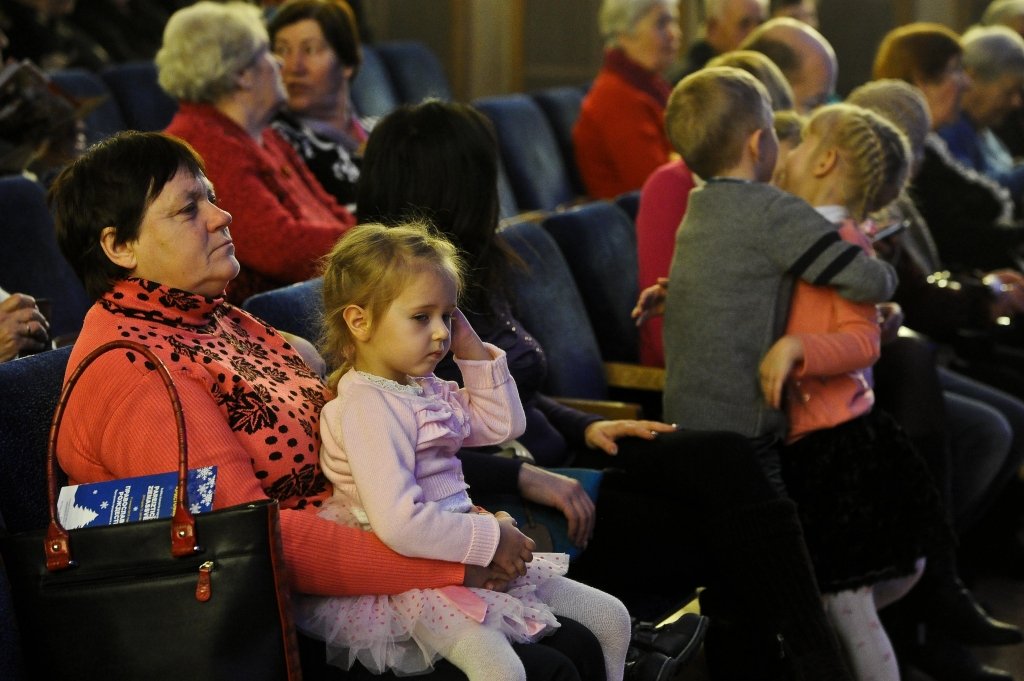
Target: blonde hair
876, 154
370, 266
710, 115
764, 69
789, 126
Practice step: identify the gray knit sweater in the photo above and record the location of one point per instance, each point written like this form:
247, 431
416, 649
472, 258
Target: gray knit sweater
738, 251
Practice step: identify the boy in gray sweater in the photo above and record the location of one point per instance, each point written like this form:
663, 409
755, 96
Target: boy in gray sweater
739, 250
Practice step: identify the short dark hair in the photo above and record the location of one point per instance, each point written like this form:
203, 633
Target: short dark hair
336, 20
111, 185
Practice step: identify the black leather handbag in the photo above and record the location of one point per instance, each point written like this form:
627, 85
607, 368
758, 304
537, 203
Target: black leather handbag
191, 597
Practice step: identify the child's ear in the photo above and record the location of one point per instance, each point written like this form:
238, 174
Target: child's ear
754, 143
358, 321
826, 161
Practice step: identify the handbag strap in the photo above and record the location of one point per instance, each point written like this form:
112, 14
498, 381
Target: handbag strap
183, 527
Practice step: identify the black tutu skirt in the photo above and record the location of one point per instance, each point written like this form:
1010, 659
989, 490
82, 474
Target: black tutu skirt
868, 504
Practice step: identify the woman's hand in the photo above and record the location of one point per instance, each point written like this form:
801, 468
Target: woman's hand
776, 366
486, 577
23, 328
466, 344
563, 493
603, 434
651, 302
514, 550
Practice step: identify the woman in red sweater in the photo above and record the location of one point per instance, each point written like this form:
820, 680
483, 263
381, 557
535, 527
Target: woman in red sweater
137, 218
619, 137
216, 61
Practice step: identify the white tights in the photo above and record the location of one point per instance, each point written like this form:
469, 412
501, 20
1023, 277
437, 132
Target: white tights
484, 654
854, 616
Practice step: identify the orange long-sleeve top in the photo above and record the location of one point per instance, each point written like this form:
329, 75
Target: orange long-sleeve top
841, 341
251, 409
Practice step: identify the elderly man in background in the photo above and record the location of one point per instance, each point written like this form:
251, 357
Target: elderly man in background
726, 24
803, 54
994, 62
804, 10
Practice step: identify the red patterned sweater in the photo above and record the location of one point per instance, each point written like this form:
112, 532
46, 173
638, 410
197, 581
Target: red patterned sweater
251, 408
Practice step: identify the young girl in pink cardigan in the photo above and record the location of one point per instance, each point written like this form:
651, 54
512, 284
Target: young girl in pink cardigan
389, 444
870, 510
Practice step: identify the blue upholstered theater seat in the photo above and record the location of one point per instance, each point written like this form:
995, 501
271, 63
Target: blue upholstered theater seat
296, 308
373, 93
549, 305
562, 105
105, 119
31, 262
598, 241
143, 103
529, 152
416, 72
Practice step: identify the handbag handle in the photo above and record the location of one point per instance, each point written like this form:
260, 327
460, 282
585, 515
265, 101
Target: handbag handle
183, 525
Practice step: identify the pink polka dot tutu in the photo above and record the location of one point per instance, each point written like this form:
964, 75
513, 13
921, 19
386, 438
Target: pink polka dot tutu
387, 632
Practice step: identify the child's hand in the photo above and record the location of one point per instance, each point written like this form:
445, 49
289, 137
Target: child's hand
515, 549
776, 366
466, 344
651, 302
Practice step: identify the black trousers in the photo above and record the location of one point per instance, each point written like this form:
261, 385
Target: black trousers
662, 497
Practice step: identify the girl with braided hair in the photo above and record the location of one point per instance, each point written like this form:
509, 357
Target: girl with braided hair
870, 510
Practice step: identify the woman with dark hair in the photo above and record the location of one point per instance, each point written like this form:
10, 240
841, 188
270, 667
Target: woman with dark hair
318, 44
438, 161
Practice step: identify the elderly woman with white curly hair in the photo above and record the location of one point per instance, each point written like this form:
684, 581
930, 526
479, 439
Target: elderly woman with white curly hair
216, 61
619, 138
994, 61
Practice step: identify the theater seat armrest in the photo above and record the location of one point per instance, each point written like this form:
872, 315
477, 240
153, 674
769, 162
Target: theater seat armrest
608, 409
634, 376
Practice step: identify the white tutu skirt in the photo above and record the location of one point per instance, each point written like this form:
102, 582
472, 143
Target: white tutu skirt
394, 632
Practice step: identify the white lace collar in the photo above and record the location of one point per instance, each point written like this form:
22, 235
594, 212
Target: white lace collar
409, 388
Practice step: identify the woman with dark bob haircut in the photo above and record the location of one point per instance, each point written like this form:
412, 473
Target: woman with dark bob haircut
318, 44
438, 161
138, 219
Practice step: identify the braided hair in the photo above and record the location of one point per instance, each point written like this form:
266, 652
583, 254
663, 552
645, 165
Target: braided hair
875, 152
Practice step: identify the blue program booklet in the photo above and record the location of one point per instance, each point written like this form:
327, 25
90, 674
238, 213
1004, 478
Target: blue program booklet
129, 499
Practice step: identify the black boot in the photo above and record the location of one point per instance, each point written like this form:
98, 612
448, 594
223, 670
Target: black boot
765, 569
946, 606
738, 645
948, 660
